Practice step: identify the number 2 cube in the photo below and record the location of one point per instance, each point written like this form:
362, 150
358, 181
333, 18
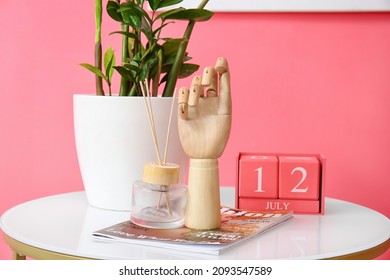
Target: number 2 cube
299, 177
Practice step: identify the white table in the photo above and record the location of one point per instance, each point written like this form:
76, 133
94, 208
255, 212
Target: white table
60, 227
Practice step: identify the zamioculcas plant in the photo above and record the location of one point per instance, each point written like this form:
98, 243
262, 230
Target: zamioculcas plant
146, 55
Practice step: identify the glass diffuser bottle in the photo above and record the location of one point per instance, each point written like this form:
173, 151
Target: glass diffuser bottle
158, 201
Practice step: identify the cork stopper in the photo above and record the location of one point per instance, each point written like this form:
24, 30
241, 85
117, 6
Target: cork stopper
157, 174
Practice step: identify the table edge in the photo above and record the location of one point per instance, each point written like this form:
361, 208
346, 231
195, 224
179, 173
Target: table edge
34, 251
43, 254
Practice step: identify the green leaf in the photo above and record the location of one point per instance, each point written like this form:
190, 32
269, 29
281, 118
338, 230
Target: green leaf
132, 20
125, 73
131, 67
166, 3
191, 14
156, 73
171, 46
168, 61
109, 62
136, 59
130, 15
164, 79
143, 74
187, 69
94, 70
125, 33
154, 4
142, 13
164, 15
134, 13
112, 10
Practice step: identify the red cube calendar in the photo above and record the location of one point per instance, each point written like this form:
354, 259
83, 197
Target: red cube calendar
277, 182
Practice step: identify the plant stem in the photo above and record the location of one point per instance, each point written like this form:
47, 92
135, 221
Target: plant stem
109, 88
98, 46
124, 88
156, 78
176, 67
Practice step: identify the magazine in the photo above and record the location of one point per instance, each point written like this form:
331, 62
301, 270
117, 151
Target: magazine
236, 227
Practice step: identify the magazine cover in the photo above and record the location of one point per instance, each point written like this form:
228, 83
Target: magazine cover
237, 226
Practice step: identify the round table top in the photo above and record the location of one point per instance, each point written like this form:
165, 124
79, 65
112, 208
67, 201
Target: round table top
64, 224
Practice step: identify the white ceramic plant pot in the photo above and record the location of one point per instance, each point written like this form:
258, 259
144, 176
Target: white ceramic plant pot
114, 141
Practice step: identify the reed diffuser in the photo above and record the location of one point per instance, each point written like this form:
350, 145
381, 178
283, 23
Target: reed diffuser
158, 201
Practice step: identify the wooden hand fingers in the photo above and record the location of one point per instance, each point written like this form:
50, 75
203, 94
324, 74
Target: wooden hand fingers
189, 97
225, 100
217, 81
222, 65
196, 91
210, 80
183, 103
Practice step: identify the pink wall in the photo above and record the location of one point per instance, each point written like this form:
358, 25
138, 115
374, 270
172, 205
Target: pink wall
302, 83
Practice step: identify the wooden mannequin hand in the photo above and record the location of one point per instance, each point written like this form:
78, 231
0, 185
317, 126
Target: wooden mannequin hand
205, 117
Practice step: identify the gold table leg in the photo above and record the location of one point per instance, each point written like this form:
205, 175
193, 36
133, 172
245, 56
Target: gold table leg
21, 250
19, 257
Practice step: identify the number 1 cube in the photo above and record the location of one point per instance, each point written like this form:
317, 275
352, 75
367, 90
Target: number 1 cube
258, 176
